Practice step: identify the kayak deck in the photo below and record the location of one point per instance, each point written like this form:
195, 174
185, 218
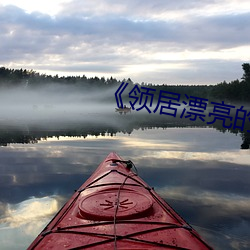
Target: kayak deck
116, 209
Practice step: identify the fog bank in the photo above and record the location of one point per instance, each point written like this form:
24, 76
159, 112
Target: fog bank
53, 103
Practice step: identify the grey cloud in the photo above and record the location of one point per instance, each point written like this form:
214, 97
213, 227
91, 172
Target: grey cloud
219, 31
98, 39
209, 31
196, 72
83, 68
134, 8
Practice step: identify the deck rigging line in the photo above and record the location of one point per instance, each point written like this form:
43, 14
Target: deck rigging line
130, 174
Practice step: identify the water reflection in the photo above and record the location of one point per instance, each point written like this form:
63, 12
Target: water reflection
102, 124
21, 221
201, 172
31, 210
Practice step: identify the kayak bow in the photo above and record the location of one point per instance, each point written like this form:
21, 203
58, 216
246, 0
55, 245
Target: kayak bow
116, 209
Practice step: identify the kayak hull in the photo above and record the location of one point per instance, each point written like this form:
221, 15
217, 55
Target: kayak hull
116, 209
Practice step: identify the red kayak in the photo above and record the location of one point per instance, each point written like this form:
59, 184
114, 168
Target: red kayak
116, 209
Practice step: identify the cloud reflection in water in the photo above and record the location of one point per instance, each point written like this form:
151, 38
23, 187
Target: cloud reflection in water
21, 222
199, 171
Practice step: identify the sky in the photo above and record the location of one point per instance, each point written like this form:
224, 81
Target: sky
159, 42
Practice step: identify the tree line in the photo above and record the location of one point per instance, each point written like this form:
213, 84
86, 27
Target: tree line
30, 78
234, 91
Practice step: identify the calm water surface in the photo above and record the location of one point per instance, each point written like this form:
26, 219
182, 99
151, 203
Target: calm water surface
200, 171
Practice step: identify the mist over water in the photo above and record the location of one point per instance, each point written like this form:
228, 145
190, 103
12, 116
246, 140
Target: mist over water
54, 103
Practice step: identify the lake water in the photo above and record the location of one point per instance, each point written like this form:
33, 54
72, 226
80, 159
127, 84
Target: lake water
200, 171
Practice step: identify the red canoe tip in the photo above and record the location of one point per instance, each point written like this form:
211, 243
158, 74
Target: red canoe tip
112, 155
115, 207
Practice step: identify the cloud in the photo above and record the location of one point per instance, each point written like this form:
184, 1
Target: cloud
29, 210
147, 9
124, 40
26, 220
229, 204
116, 30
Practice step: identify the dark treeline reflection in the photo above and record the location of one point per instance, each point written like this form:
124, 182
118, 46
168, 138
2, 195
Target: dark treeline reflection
105, 125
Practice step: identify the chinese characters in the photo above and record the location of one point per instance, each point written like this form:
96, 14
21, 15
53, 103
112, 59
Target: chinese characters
191, 107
